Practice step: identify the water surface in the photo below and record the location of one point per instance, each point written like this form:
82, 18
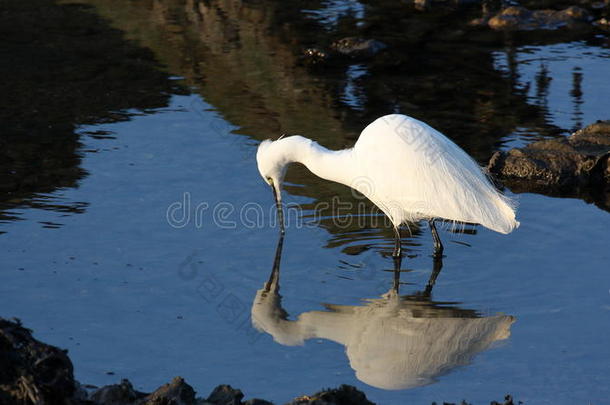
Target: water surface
131, 292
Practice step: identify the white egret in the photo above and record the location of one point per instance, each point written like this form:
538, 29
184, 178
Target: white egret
405, 167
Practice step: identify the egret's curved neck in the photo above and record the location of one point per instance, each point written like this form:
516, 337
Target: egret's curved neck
331, 165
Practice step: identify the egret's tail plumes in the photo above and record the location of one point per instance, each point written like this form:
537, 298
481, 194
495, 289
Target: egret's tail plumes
503, 220
472, 195
475, 198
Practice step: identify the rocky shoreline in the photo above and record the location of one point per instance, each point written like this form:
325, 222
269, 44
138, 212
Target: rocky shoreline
36, 373
575, 166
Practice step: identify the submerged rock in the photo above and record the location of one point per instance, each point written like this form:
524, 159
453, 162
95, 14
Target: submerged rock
578, 164
516, 18
358, 47
342, 49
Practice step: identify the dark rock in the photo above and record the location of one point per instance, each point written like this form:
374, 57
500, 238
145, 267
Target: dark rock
342, 49
518, 18
354, 47
577, 164
116, 394
344, 395
81, 395
176, 392
256, 401
225, 395
33, 372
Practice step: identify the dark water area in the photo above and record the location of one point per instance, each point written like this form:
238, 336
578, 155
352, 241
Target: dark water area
63, 67
137, 233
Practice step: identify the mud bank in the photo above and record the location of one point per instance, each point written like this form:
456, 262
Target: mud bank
35, 373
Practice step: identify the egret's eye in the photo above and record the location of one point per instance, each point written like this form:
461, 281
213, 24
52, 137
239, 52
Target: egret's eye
269, 180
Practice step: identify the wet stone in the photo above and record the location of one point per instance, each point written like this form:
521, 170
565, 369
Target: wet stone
358, 47
516, 18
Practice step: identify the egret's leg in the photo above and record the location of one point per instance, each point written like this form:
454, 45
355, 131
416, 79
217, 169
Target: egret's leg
436, 270
397, 246
438, 246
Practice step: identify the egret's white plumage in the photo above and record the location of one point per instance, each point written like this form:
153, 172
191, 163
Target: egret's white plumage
408, 169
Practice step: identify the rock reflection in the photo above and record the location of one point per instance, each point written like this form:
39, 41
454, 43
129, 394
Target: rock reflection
392, 342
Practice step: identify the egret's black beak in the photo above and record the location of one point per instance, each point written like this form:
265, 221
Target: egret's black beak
278, 207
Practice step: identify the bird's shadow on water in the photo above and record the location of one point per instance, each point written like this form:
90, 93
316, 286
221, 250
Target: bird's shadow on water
392, 342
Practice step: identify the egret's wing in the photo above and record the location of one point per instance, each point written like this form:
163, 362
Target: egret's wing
413, 171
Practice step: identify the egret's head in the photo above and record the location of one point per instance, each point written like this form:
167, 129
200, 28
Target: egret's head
271, 164
272, 160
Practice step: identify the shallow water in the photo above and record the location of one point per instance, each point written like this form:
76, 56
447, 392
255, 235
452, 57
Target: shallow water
565, 80
157, 273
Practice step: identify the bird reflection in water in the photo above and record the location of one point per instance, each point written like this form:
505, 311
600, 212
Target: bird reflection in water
392, 342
